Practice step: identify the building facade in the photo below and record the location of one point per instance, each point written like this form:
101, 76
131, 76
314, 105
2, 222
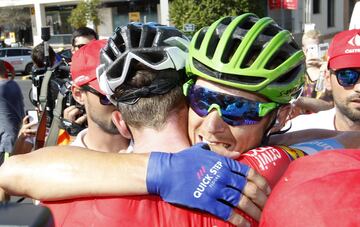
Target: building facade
113, 13
327, 16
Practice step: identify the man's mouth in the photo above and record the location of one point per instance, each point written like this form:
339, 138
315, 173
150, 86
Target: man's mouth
211, 143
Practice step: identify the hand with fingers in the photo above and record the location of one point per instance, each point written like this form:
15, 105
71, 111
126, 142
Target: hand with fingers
26, 137
74, 115
27, 130
201, 179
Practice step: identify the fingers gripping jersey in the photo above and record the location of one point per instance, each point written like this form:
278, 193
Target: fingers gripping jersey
270, 161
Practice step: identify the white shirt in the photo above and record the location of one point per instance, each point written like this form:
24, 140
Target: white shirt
79, 141
319, 120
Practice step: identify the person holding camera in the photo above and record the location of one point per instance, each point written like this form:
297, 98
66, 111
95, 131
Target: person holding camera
314, 98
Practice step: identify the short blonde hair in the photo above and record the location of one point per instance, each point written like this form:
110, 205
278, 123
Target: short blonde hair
312, 34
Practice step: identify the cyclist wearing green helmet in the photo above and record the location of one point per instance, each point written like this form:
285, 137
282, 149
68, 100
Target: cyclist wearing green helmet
244, 71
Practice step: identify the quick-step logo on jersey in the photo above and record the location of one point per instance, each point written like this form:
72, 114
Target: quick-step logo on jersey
207, 179
264, 156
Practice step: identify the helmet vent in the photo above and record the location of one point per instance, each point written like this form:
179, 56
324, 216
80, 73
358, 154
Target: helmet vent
249, 23
200, 38
149, 38
251, 55
294, 45
249, 80
276, 60
272, 30
214, 40
284, 52
107, 49
289, 76
135, 35
119, 41
230, 49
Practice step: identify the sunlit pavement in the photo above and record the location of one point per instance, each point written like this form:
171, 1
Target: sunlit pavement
25, 77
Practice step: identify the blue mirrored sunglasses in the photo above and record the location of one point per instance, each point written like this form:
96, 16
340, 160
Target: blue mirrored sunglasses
102, 98
233, 110
347, 77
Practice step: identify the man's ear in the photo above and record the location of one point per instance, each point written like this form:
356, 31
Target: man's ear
327, 76
78, 94
120, 124
282, 116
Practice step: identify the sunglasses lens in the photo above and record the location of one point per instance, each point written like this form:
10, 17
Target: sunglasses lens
198, 102
235, 111
104, 100
241, 113
347, 77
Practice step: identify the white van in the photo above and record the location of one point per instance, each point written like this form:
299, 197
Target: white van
20, 58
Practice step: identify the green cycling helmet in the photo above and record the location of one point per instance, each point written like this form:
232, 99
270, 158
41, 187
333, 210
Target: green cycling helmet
251, 54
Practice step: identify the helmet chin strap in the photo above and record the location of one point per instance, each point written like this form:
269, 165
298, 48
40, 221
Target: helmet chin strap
268, 133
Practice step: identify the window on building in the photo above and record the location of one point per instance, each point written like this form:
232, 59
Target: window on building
316, 6
331, 13
56, 18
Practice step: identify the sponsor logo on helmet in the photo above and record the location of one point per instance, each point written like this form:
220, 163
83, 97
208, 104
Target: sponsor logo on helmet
290, 92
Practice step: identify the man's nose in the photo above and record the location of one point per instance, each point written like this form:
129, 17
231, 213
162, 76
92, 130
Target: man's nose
213, 122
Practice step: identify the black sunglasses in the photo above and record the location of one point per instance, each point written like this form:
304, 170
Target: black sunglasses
102, 98
346, 77
79, 46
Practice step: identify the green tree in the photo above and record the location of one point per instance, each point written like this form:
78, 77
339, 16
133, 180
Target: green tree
203, 12
14, 18
86, 11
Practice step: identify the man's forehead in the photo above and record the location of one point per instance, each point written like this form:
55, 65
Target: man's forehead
231, 91
83, 39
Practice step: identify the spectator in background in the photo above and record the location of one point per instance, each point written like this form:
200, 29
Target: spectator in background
11, 113
101, 134
342, 79
37, 55
314, 98
310, 40
81, 37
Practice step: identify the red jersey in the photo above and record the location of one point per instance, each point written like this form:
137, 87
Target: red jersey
270, 161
